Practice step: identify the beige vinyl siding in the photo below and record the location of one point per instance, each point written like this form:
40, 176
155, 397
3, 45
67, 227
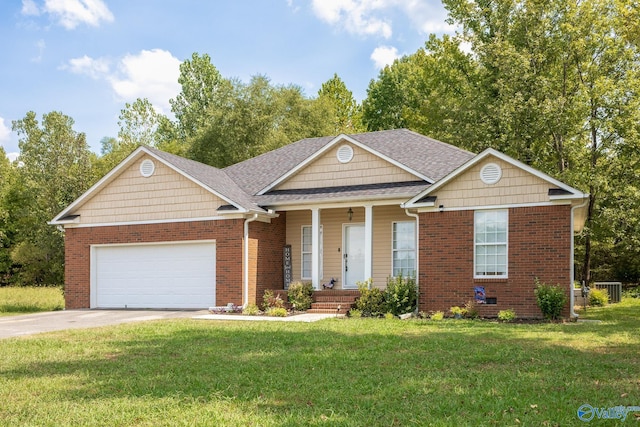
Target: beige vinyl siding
364, 168
164, 195
332, 221
515, 187
383, 218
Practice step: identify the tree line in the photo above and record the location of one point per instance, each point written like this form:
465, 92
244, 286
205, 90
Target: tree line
553, 84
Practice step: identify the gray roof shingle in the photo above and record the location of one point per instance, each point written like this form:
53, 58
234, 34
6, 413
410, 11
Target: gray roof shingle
427, 156
214, 178
240, 183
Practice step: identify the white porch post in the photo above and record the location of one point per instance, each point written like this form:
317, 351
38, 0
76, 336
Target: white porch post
368, 242
315, 248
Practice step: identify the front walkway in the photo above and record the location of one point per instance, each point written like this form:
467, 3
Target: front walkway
306, 317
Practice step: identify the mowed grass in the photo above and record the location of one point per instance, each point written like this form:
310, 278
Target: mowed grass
337, 372
30, 299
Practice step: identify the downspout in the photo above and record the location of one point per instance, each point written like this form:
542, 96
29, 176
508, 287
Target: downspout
245, 273
415, 215
572, 313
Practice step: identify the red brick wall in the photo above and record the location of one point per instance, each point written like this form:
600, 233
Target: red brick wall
267, 243
539, 247
228, 235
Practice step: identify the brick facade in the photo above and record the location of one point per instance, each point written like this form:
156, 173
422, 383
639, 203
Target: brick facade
228, 235
539, 247
266, 243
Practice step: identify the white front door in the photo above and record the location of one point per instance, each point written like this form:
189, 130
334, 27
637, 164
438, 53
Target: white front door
353, 256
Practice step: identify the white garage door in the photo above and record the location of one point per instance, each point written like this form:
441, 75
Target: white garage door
174, 275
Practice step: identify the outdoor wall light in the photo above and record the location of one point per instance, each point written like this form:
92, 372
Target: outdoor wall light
441, 208
350, 214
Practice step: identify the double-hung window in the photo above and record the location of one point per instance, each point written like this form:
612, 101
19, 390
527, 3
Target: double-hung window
307, 251
404, 248
491, 243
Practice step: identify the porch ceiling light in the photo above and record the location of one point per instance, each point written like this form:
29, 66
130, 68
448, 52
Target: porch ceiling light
350, 214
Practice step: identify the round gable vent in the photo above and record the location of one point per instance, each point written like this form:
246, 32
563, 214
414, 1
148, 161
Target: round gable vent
345, 154
147, 167
490, 173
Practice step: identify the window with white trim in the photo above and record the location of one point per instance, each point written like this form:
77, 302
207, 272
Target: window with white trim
404, 248
307, 251
491, 238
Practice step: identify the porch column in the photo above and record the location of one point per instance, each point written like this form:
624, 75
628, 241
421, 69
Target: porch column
315, 248
368, 241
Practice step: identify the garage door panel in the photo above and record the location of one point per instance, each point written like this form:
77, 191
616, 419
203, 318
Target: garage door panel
155, 276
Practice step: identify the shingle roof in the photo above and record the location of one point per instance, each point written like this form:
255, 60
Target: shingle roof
427, 156
214, 178
242, 182
258, 172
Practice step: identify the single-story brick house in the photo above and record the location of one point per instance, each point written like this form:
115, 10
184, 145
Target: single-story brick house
162, 231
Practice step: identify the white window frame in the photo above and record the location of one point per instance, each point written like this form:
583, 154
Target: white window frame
310, 253
393, 250
494, 244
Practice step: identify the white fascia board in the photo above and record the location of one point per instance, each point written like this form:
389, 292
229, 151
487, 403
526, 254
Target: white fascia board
336, 204
575, 194
157, 221
434, 208
327, 147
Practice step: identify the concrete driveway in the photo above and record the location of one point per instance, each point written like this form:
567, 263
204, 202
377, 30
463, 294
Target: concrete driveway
28, 324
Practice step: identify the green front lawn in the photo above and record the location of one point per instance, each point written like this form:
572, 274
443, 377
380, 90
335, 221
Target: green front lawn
30, 299
360, 372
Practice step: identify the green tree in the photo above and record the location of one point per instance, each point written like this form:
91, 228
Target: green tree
139, 124
347, 116
56, 169
256, 118
203, 90
7, 229
554, 84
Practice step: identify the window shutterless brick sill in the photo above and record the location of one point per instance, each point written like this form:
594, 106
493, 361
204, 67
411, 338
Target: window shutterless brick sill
490, 280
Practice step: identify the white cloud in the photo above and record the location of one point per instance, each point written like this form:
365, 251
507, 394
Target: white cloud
384, 55
41, 45
5, 132
94, 68
427, 17
30, 8
356, 16
370, 17
151, 74
71, 13
13, 156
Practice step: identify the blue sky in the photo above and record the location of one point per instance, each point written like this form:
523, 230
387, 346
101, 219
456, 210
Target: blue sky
87, 58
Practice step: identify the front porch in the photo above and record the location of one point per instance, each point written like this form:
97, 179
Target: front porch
350, 244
